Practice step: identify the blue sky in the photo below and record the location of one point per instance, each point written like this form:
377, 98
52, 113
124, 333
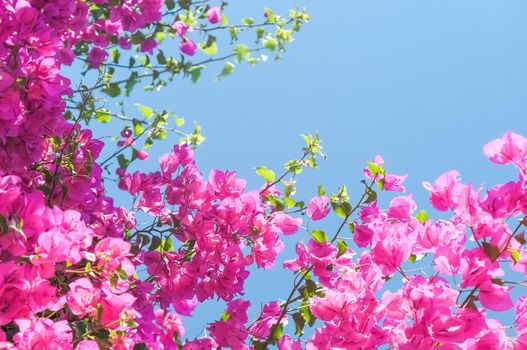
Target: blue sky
423, 83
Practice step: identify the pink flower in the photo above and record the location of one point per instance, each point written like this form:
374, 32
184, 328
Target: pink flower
117, 308
82, 297
495, 297
510, 148
96, 57
142, 154
401, 207
87, 345
214, 15
362, 235
318, 207
188, 47
268, 318
285, 223
43, 334
148, 45
181, 28
444, 191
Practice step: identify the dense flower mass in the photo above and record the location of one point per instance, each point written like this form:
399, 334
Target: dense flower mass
78, 272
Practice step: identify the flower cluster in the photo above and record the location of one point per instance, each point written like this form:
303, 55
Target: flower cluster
78, 272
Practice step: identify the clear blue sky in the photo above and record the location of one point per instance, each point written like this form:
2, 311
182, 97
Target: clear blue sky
423, 83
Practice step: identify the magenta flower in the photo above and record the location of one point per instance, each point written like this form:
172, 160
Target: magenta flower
214, 15
318, 208
96, 57
181, 28
188, 47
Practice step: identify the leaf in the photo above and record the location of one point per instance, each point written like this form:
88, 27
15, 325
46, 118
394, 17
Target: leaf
156, 242
491, 251
210, 50
299, 323
170, 4
422, 216
294, 166
270, 44
112, 90
241, 51
319, 236
321, 190
374, 169
267, 174
145, 111
342, 248
195, 72
520, 238
103, 116
341, 209
161, 59
289, 202
225, 316
228, 69
277, 331
130, 83
515, 255
372, 196
247, 21
122, 161
138, 127
185, 4
306, 313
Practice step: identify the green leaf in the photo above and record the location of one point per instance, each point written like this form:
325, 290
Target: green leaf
241, 51
422, 216
259, 33
115, 55
289, 202
195, 72
374, 169
270, 44
103, 116
168, 245
321, 190
155, 243
210, 50
412, 258
170, 4
138, 127
341, 209
225, 316
228, 69
161, 59
294, 166
185, 4
122, 161
112, 90
121, 273
306, 313
319, 236
247, 21
179, 121
342, 248
145, 111
515, 255
299, 323
278, 331
130, 83
267, 174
